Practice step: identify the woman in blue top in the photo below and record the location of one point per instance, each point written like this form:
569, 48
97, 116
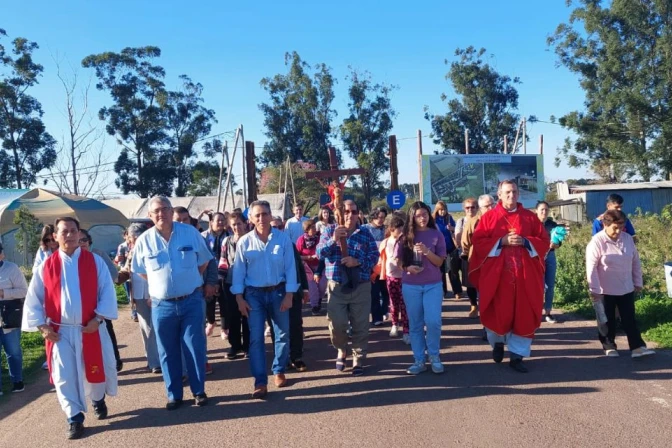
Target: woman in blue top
446, 225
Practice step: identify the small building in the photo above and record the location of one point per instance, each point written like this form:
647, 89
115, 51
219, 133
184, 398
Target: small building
649, 197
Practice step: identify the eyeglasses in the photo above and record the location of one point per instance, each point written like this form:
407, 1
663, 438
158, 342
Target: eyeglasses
48, 240
84, 240
161, 210
469, 208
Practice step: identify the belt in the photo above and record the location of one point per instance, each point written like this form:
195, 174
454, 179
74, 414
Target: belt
180, 298
270, 288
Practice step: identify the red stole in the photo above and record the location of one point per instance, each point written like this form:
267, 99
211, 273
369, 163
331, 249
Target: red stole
510, 286
88, 285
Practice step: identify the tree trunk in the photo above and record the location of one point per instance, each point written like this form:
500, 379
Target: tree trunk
17, 167
75, 187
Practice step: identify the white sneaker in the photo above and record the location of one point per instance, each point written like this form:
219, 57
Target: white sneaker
611, 353
437, 367
642, 351
394, 331
417, 368
406, 338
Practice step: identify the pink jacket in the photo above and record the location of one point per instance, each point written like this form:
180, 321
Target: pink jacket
613, 267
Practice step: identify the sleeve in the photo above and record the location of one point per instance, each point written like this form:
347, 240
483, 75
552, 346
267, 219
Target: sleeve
210, 277
203, 254
451, 221
19, 286
300, 244
302, 277
372, 254
320, 268
239, 269
292, 284
33, 308
223, 255
138, 261
441, 249
114, 273
597, 226
637, 278
327, 245
39, 258
107, 296
592, 263
629, 229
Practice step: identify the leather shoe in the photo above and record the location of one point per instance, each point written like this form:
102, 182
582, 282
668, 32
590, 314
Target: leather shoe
76, 430
100, 410
518, 365
260, 392
173, 404
201, 399
280, 380
498, 352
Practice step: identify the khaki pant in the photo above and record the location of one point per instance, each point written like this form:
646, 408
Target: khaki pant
350, 308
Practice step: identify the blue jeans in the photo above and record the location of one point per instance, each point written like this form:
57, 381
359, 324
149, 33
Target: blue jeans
549, 279
179, 327
11, 342
262, 304
423, 306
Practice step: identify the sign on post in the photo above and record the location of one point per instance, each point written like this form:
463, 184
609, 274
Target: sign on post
396, 199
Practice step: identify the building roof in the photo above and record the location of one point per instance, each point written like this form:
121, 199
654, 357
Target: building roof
631, 186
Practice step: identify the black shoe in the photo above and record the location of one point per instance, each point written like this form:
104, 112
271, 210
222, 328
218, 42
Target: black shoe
498, 352
76, 430
157, 370
299, 365
518, 365
100, 410
233, 354
18, 387
315, 310
201, 399
485, 336
120, 365
173, 404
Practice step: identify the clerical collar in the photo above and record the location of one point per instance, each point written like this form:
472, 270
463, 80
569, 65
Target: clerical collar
514, 209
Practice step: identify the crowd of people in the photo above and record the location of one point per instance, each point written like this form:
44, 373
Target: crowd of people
258, 271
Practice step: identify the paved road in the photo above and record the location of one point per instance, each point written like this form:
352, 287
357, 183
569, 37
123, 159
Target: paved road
572, 396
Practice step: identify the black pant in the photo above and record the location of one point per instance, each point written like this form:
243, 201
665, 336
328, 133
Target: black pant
234, 321
453, 273
295, 328
210, 305
626, 307
473, 296
113, 337
378, 309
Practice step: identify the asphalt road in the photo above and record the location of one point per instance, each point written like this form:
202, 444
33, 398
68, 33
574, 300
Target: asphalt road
572, 397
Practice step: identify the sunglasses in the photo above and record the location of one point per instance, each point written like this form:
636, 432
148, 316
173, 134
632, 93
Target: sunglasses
48, 240
84, 240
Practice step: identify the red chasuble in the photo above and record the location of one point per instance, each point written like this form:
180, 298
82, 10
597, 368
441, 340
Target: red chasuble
511, 285
88, 284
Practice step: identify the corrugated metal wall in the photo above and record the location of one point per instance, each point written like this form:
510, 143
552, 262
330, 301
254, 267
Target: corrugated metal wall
652, 200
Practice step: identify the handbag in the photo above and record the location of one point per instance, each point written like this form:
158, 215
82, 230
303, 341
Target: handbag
11, 313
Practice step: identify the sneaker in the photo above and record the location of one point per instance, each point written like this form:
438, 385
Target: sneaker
18, 387
549, 319
378, 323
299, 365
642, 351
611, 353
201, 399
208, 368
75, 431
417, 368
437, 366
100, 410
394, 331
315, 311
406, 338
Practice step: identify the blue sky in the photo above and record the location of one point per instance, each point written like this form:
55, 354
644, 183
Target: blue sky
230, 46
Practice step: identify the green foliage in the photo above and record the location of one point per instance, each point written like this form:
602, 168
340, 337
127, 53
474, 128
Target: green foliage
28, 234
365, 132
661, 334
298, 116
485, 105
308, 191
620, 51
27, 148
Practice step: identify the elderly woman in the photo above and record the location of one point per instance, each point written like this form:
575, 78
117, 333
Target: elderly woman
13, 288
143, 305
614, 276
48, 246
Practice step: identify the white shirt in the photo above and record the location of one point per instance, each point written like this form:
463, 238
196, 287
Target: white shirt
294, 228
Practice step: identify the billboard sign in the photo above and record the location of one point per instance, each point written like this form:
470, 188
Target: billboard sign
453, 178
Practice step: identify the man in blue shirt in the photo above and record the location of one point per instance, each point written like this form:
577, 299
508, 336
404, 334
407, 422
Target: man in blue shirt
614, 202
264, 282
172, 257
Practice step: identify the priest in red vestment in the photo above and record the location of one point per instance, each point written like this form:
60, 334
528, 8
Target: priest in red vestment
70, 296
507, 267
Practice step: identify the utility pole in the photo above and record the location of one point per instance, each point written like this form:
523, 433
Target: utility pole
541, 144
251, 172
394, 170
466, 141
242, 154
420, 164
221, 174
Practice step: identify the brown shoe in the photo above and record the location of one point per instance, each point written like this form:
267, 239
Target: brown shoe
473, 313
280, 380
259, 392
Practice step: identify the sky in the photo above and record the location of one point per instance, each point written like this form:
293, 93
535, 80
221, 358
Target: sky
230, 46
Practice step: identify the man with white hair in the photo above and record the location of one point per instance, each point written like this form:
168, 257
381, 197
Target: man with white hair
172, 257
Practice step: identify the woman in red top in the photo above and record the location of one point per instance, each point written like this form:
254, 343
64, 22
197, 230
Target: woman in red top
307, 247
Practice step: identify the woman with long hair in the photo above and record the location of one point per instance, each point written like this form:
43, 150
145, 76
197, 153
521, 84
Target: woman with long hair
48, 246
446, 225
422, 253
324, 219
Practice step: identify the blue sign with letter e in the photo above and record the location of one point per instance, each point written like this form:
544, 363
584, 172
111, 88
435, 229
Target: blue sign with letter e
396, 199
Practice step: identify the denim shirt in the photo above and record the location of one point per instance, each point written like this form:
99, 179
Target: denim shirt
171, 266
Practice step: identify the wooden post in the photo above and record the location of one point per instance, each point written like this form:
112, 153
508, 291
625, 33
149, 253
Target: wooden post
251, 172
420, 164
506, 144
229, 170
242, 155
541, 144
333, 160
466, 141
221, 174
394, 170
